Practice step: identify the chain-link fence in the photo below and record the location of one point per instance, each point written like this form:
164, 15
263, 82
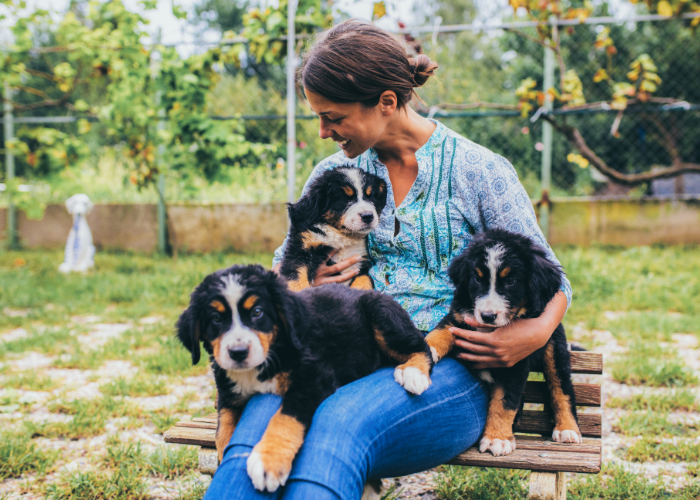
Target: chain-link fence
485, 66
480, 69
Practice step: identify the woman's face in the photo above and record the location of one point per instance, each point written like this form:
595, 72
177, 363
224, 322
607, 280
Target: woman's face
353, 126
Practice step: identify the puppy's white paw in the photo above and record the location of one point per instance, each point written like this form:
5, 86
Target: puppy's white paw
412, 379
434, 352
497, 447
566, 436
263, 479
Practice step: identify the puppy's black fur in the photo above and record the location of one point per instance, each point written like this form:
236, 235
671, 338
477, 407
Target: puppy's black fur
262, 337
502, 277
341, 207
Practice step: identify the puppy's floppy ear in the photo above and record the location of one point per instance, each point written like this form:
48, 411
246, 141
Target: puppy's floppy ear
188, 332
545, 280
69, 204
310, 206
460, 270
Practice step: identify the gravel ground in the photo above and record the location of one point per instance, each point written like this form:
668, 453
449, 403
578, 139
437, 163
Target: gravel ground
84, 384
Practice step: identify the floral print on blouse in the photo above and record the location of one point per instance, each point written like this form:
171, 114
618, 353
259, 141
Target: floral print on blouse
461, 189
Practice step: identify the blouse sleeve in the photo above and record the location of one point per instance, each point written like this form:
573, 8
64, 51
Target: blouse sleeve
502, 202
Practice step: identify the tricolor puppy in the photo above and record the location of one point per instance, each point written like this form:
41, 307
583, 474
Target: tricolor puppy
264, 338
338, 211
500, 278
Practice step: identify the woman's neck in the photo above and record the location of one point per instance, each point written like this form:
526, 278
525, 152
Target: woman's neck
403, 136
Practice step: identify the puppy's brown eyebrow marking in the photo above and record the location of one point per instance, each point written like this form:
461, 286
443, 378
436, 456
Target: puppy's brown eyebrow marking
504, 272
348, 190
479, 272
250, 302
218, 306
369, 190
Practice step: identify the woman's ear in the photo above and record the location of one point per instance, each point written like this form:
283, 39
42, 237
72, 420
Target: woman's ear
545, 281
387, 102
188, 332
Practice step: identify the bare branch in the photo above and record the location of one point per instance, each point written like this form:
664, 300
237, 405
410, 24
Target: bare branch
529, 37
573, 135
473, 105
40, 74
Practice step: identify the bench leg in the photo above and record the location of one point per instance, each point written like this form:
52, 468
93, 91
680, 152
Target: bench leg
547, 486
208, 460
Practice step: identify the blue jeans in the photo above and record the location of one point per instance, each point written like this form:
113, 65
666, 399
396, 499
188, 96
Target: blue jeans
369, 429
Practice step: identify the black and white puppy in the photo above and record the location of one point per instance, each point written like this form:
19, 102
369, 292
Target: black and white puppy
500, 278
262, 337
338, 211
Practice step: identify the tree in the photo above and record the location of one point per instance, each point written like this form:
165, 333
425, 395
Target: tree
637, 89
93, 65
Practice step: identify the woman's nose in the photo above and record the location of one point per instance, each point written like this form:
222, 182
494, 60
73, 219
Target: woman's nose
324, 132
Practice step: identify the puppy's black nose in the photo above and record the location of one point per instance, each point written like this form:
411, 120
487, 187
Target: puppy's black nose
238, 353
367, 217
488, 316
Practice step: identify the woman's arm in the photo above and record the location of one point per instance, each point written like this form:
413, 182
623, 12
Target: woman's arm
505, 346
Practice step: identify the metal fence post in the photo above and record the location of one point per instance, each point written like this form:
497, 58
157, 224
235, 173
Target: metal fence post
160, 186
546, 176
9, 167
291, 103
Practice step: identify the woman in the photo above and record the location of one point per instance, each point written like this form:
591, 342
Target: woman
442, 189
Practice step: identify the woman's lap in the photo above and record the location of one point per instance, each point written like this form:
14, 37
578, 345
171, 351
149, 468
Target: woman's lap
371, 428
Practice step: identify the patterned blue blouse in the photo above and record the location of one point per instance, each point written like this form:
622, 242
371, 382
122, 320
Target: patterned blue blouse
461, 189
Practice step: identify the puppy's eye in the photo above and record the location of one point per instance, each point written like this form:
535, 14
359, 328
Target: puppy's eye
510, 282
216, 318
475, 280
256, 313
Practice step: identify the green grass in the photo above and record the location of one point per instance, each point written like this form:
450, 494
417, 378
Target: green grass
677, 400
652, 423
647, 364
138, 386
20, 455
469, 483
648, 448
616, 483
654, 290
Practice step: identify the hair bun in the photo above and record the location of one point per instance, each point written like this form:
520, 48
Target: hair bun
422, 68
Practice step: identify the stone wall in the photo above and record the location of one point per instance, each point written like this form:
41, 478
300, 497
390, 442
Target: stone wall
221, 227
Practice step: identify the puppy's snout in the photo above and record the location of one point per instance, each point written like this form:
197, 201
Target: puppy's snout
488, 316
367, 217
239, 353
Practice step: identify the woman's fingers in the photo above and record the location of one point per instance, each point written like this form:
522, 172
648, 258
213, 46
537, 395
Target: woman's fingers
337, 268
336, 279
475, 324
485, 339
479, 362
474, 348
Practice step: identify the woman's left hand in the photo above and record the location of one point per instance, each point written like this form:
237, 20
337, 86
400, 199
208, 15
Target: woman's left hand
503, 347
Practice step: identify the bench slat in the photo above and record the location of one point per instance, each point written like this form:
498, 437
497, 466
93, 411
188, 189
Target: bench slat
537, 443
189, 435
541, 422
586, 394
583, 362
534, 460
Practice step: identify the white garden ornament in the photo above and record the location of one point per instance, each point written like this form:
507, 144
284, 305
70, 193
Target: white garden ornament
80, 251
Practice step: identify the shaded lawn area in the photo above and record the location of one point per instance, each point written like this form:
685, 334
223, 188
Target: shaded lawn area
90, 373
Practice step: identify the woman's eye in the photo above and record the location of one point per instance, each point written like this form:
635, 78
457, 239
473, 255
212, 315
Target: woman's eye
216, 318
257, 312
510, 282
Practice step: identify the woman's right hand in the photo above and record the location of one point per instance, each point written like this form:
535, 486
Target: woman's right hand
325, 273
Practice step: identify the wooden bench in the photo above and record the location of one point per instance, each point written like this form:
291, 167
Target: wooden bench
535, 451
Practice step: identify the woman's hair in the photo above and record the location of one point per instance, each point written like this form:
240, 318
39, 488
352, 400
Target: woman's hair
356, 61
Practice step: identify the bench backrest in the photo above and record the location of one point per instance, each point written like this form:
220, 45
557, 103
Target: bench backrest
541, 422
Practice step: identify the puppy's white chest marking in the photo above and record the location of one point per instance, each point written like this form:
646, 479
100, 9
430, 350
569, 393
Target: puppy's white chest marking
347, 247
247, 383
